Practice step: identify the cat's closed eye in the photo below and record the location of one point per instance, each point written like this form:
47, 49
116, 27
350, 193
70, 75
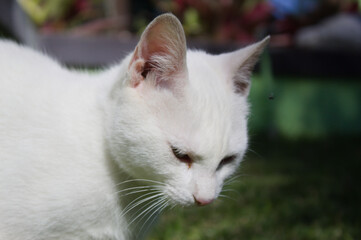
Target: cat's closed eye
226, 160
183, 157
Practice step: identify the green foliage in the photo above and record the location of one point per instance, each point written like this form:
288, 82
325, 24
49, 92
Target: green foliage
192, 24
41, 11
55, 15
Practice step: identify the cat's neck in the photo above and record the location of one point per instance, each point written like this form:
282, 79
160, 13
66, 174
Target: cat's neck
131, 196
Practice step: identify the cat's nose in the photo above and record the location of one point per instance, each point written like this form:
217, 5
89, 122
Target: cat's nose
202, 202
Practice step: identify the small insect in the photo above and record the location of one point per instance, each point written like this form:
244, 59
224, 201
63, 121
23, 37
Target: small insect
271, 96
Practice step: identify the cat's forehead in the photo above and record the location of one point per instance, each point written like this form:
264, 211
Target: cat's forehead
205, 71
208, 82
211, 121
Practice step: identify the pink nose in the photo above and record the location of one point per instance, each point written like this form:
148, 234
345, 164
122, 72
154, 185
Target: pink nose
201, 201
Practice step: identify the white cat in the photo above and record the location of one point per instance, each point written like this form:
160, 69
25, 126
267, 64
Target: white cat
98, 155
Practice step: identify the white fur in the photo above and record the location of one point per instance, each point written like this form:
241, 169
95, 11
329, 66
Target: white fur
71, 143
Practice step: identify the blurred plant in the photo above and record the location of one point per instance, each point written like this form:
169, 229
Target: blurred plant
55, 15
41, 11
222, 20
248, 20
192, 24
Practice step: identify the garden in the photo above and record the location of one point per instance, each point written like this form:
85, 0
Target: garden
300, 179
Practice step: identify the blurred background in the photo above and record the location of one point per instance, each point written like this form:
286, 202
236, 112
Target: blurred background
301, 177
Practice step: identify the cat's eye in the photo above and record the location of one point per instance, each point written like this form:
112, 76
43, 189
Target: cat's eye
226, 160
183, 157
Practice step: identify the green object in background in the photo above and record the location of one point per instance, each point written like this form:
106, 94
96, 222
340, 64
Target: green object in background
300, 107
307, 107
140, 23
192, 23
40, 11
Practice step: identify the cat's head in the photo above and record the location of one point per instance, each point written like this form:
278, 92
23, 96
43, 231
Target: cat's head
180, 117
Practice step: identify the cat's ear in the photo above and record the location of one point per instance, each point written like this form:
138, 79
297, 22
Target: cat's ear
160, 56
240, 65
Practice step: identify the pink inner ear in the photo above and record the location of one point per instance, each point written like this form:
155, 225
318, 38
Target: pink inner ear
136, 67
154, 43
161, 51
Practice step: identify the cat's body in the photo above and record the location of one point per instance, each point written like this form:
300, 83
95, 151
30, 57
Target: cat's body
74, 146
52, 137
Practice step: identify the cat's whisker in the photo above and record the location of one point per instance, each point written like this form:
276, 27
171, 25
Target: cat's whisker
159, 210
150, 192
228, 197
139, 189
141, 208
163, 204
148, 209
173, 206
143, 190
156, 205
233, 178
140, 202
232, 191
254, 152
136, 199
132, 188
140, 180
229, 190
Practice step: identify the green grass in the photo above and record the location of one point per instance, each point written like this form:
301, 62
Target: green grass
295, 191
